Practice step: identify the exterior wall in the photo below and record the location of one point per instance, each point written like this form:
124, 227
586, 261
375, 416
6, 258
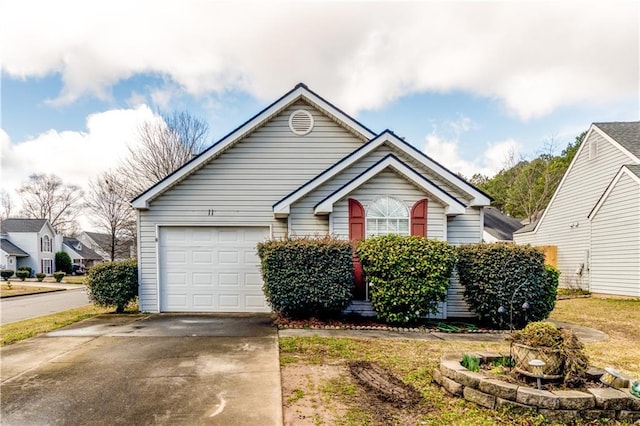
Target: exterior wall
30, 243
240, 186
89, 242
389, 184
615, 241
464, 229
8, 262
565, 222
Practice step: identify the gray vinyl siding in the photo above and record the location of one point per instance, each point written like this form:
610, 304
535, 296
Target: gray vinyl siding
389, 183
463, 229
583, 185
615, 241
241, 185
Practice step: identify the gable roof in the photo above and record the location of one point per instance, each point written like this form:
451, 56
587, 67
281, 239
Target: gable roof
22, 225
84, 251
12, 249
624, 130
479, 198
499, 225
453, 206
626, 134
300, 91
631, 170
123, 247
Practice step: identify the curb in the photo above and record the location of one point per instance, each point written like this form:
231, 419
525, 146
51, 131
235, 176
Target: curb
53, 290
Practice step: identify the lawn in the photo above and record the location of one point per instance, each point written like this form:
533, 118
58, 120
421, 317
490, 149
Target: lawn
319, 389
14, 289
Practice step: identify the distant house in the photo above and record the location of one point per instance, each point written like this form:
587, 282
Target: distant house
28, 242
594, 216
79, 253
101, 244
498, 227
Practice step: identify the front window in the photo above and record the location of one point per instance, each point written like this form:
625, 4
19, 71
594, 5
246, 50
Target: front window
387, 215
47, 266
46, 243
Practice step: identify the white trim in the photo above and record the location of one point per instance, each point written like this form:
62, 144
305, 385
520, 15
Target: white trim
585, 142
282, 208
300, 92
453, 206
481, 224
623, 171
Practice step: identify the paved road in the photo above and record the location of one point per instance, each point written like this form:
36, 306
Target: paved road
23, 307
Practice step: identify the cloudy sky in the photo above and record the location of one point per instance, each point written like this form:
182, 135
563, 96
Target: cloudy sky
466, 82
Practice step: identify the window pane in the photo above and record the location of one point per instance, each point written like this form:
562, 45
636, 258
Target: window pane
403, 226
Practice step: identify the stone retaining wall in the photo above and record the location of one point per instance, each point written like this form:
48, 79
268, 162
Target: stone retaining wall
559, 405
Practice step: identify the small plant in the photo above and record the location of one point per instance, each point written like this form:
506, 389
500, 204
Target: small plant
503, 361
27, 269
63, 262
470, 362
58, 276
113, 284
40, 276
22, 275
6, 274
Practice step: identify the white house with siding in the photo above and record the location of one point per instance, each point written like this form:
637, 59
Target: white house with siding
28, 242
299, 167
594, 216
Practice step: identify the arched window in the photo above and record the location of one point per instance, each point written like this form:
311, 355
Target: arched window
46, 243
387, 215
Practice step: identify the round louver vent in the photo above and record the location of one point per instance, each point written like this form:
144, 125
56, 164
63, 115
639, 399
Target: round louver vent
301, 122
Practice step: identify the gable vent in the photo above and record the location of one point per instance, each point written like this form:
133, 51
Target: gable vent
301, 122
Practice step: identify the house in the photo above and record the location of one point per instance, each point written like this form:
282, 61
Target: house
79, 253
28, 242
593, 218
499, 227
101, 244
299, 167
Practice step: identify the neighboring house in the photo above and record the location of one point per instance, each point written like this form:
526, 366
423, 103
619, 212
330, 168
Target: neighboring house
79, 253
498, 227
28, 242
299, 167
594, 216
101, 244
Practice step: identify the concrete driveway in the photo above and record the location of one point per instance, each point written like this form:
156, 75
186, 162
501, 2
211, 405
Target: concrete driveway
157, 369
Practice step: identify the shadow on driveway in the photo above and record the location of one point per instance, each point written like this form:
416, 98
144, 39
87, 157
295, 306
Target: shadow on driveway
158, 369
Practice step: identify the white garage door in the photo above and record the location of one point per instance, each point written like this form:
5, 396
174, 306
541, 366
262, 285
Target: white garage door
211, 269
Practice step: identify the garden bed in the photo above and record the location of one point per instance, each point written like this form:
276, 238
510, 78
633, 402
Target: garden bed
562, 405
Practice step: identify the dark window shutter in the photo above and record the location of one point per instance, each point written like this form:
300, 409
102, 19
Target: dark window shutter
419, 218
356, 220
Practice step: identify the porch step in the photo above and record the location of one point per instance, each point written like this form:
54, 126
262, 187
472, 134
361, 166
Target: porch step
363, 308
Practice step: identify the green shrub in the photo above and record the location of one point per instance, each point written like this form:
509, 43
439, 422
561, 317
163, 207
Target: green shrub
22, 275
63, 263
28, 269
58, 275
307, 277
113, 283
40, 276
408, 276
6, 274
501, 280
470, 362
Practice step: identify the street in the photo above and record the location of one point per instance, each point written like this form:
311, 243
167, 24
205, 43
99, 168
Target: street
14, 309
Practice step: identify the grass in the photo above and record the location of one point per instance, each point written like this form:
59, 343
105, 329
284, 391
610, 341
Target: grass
17, 289
414, 361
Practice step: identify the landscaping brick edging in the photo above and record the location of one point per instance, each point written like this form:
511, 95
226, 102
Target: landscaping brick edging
561, 406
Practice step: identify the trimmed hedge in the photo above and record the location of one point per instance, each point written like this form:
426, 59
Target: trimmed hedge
22, 275
307, 277
63, 263
408, 276
58, 275
26, 268
113, 283
6, 274
506, 276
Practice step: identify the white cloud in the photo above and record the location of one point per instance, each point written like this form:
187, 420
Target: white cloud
443, 144
534, 57
75, 157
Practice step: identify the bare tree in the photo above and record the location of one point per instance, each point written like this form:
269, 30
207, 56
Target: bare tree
162, 146
108, 202
6, 205
47, 197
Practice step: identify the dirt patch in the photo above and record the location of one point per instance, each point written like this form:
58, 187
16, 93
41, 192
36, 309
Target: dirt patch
384, 385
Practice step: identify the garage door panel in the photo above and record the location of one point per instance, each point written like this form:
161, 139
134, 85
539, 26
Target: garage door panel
211, 269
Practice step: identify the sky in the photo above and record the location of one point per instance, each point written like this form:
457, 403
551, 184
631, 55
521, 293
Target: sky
467, 82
